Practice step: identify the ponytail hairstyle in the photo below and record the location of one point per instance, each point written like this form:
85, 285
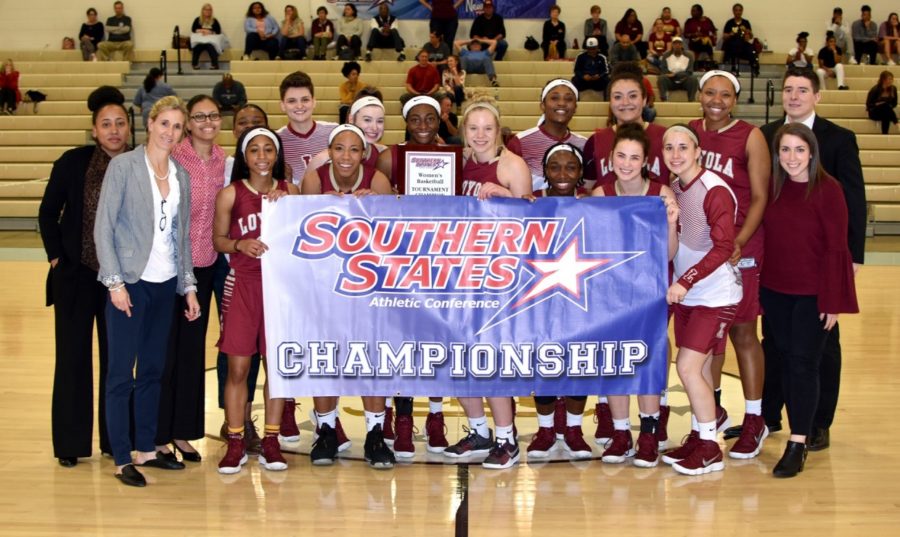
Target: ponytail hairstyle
150, 79
241, 171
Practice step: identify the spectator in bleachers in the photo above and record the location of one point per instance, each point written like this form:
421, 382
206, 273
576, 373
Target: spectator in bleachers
889, 38
553, 40
293, 35
629, 34
262, 31
230, 94
737, 41
151, 91
422, 78
348, 89
385, 34
700, 33
591, 68
444, 18
670, 24
474, 58
677, 72
349, 29
598, 28
322, 33
489, 25
830, 66
119, 38
865, 36
799, 56
841, 34
453, 81
881, 101
449, 127
90, 36
438, 50
658, 43
206, 26
10, 96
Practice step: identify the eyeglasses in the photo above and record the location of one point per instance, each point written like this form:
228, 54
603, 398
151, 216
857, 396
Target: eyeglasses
163, 218
200, 117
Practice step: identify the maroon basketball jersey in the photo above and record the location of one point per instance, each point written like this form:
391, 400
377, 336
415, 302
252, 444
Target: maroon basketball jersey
545, 193
245, 223
477, 173
609, 189
602, 144
328, 185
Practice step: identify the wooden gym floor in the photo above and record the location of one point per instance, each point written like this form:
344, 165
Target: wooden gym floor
853, 488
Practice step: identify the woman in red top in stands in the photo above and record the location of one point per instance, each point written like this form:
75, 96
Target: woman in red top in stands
10, 96
808, 276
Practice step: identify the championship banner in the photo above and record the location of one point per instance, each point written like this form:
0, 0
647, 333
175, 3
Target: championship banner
469, 9
451, 296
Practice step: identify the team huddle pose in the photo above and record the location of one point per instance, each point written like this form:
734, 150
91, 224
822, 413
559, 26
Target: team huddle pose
712, 175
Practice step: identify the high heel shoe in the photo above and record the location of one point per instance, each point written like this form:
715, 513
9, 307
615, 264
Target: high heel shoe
189, 456
792, 461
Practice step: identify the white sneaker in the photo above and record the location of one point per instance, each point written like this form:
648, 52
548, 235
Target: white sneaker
891, 62
853, 60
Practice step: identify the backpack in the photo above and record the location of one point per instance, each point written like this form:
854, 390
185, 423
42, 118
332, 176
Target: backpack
531, 43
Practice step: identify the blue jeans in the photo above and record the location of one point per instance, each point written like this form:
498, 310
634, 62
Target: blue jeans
141, 338
500, 51
478, 65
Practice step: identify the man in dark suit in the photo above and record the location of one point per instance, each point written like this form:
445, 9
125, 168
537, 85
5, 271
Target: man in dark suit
839, 155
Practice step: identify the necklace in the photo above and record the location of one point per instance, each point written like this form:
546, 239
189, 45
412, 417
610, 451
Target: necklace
154, 168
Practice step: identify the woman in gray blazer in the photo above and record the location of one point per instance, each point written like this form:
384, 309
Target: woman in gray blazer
144, 250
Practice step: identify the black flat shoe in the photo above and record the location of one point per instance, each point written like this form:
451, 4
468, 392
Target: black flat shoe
131, 477
819, 439
189, 456
163, 461
792, 461
68, 462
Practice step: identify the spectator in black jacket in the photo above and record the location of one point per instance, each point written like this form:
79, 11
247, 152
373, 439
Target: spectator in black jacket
554, 35
489, 25
90, 35
591, 68
385, 34
230, 94
205, 24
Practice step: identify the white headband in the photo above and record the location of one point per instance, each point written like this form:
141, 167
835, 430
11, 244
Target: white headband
678, 127
555, 84
562, 147
731, 78
261, 132
363, 102
486, 105
344, 128
421, 99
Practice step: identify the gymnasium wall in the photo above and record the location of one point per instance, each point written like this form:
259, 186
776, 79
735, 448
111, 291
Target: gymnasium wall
39, 24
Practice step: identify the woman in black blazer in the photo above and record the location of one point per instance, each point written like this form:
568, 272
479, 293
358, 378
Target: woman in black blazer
66, 219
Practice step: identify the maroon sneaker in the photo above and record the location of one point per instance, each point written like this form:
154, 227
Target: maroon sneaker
559, 418
504, 454
471, 444
575, 445
619, 448
681, 453
647, 455
706, 458
603, 419
542, 443
288, 430
235, 456
270, 456
403, 443
722, 420
435, 433
749, 444
662, 433
388, 429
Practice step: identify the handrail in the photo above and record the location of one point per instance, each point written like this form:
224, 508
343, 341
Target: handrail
177, 41
131, 126
164, 64
770, 97
752, 100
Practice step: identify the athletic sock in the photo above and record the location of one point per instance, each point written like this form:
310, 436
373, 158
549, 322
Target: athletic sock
545, 420
655, 415
373, 419
573, 420
238, 430
622, 425
694, 425
270, 429
505, 433
435, 406
707, 430
479, 425
753, 406
388, 402
328, 418
603, 400
718, 395
664, 398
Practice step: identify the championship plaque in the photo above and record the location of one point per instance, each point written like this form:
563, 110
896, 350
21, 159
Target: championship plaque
434, 170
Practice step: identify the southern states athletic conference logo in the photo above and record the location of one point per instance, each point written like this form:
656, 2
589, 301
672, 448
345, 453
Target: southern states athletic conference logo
506, 264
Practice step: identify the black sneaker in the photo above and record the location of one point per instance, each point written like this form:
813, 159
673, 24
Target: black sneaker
368, 55
377, 454
471, 444
494, 83
325, 448
401, 57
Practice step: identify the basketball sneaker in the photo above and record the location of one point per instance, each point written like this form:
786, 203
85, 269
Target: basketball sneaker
662, 432
542, 443
343, 442
503, 454
619, 448
435, 433
471, 444
403, 441
324, 449
270, 456
574, 443
377, 454
681, 453
389, 426
749, 444
706, 458
603, 419
235, 455
559, 418
647, 455
251, 436
722, 420
288, 430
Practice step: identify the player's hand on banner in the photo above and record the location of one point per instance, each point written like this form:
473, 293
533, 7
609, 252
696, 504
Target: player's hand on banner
252, 247
275, 194
492, 190
672, 210
362, 192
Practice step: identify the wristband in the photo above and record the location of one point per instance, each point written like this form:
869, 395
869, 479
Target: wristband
116, 289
